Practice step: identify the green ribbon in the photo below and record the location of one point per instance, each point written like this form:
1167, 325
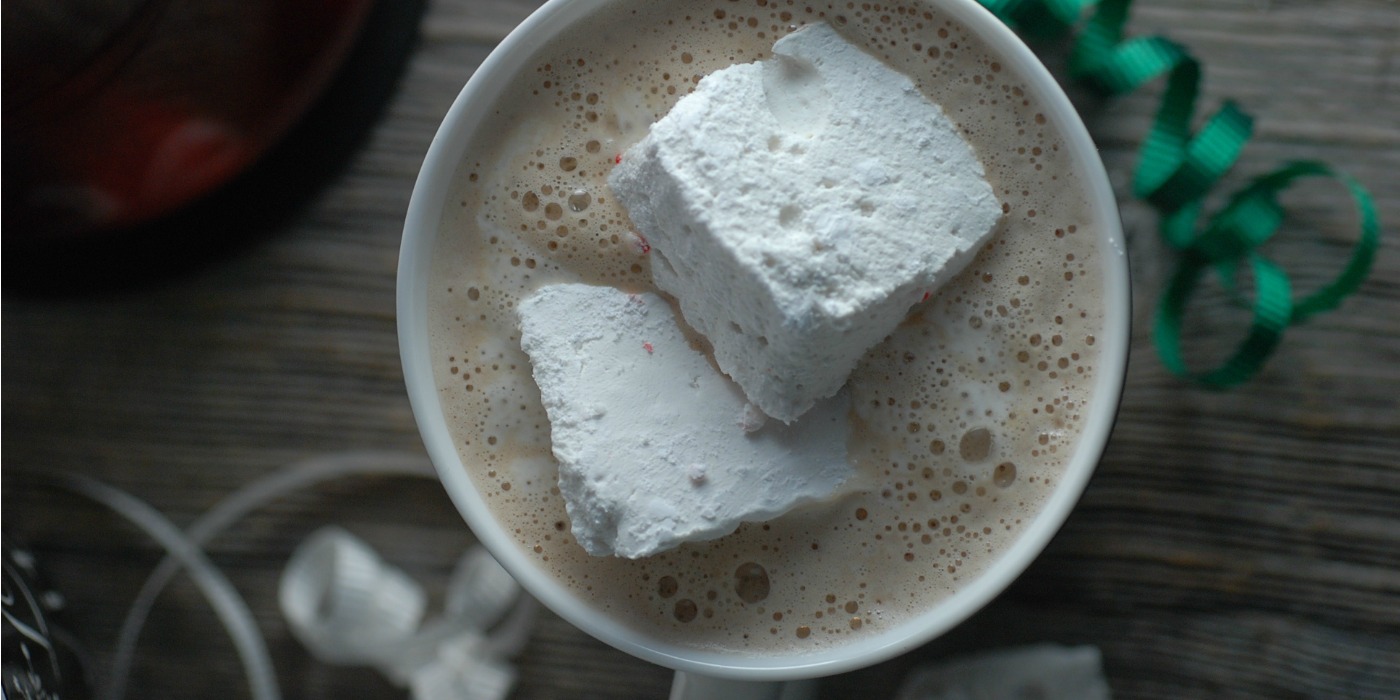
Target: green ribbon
1177, 169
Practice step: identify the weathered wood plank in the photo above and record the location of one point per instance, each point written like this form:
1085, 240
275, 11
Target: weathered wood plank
1238, 544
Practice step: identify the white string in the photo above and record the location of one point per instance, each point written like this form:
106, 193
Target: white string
227, 604
298, 476
454, 656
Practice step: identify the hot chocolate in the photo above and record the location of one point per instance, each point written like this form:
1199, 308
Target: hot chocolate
963, 420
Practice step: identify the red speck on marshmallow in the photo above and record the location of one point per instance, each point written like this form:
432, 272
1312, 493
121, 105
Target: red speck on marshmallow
648, 348
643, 244
926, 296
617, 160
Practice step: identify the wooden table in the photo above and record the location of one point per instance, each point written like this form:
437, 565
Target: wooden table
1237, 544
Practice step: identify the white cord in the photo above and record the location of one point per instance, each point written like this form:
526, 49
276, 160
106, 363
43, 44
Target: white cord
251, 497
454, 657
227, 604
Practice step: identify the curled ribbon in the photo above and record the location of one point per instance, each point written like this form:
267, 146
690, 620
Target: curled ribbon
1177, 169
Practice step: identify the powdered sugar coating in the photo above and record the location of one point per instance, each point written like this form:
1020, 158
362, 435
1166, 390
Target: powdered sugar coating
798, 207
650, 438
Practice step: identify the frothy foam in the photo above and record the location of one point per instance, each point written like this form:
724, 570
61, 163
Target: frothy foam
964, 418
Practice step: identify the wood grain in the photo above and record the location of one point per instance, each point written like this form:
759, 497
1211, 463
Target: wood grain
1234, 545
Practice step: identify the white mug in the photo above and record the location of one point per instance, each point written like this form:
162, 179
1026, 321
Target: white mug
708, 673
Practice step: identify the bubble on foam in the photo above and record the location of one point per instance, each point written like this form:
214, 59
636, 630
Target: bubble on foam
685, 610
751, 582
924, 519
975, 445
1004, 475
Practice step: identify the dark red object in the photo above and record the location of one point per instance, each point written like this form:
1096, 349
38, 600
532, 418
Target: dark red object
121, 114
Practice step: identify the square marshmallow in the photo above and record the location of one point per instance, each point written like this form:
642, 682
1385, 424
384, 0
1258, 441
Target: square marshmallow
798, 207
654, 445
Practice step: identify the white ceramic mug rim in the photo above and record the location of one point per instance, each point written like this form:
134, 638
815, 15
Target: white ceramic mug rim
430, 196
